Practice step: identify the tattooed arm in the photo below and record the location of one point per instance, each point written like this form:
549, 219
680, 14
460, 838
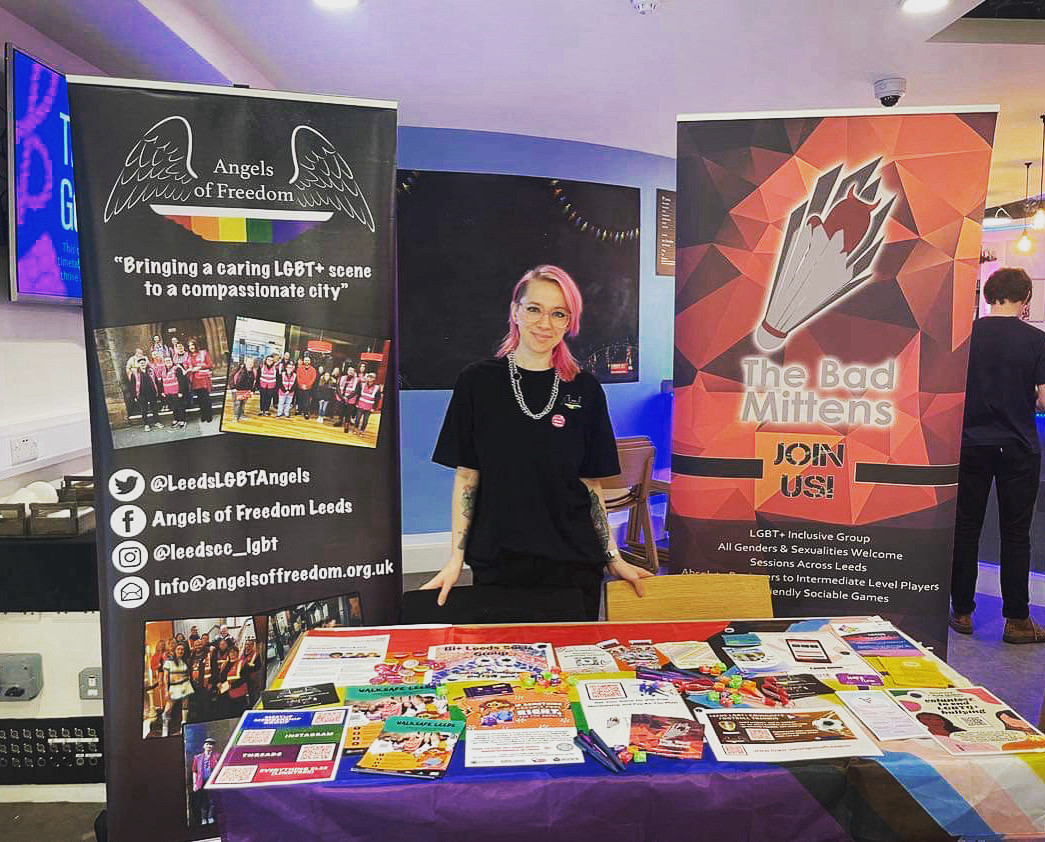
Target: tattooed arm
466, 489
617, 566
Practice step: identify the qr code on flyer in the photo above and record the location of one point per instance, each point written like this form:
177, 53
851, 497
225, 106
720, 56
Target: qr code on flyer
256, 737
328, 717
736, 751
759, 734
604, 692
316, 753
236, 775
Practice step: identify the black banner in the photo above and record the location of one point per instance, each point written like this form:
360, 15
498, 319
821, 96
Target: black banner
239, 502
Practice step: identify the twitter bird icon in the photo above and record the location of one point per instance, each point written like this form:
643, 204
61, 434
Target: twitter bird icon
126, 485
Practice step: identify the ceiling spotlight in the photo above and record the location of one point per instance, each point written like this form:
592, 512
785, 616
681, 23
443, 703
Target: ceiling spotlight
645, 7
336, 5
923, 7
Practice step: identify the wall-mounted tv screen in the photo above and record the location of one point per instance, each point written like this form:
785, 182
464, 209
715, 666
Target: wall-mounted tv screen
43, 249
466, 238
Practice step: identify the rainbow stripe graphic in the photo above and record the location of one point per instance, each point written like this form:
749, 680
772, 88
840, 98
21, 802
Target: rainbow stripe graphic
243, 225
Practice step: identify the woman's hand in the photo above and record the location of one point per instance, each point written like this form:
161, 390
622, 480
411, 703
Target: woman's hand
630, 573
444, 579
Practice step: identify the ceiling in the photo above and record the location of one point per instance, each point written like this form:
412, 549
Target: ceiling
589, 70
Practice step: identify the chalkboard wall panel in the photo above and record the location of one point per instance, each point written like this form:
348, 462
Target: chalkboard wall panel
464, 241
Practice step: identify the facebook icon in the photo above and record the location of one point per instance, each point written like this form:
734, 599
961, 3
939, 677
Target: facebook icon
128, 521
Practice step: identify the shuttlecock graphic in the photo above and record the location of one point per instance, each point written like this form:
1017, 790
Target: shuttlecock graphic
831, 242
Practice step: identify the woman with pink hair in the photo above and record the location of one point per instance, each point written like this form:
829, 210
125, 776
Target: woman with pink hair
529, 436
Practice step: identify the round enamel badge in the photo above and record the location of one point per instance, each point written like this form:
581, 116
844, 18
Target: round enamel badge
558, 421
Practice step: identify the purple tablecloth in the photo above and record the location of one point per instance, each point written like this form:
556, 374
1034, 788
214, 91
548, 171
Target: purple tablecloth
668, 800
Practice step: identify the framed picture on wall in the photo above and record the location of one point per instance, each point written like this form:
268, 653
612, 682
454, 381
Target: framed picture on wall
466, 239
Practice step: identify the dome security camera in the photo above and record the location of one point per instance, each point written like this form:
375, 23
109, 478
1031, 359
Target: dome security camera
889, 90
645, 7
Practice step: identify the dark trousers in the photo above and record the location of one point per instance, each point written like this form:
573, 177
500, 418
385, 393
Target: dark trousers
177, 405
146, 406
364, 419
1014, 470
268, 399
349, 414
203, 402
532, 573
304, 402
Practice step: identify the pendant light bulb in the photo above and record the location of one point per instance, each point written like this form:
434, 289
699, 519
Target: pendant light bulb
1037, 222
1024, 245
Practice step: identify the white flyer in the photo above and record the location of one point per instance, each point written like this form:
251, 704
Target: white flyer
687, 654
521, 747
585, 659
744, 735
343, 659
882, 715
609, 703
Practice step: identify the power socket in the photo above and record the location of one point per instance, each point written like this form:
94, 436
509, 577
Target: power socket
24, 449
90, 681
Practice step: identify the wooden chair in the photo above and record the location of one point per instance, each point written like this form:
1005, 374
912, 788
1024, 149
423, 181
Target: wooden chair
630, 491
691, 596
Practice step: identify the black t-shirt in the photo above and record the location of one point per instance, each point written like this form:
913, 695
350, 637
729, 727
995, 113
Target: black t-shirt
1006, 365
531, 501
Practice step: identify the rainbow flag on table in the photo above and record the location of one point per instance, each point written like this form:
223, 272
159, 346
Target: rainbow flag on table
243, 225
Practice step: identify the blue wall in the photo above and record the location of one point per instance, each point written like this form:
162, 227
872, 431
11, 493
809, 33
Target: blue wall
635, 408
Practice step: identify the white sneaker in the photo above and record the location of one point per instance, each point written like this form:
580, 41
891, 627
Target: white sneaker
319, 420
147, 428
158, 425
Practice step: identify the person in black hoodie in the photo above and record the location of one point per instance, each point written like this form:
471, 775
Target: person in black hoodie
244, 381
145, 393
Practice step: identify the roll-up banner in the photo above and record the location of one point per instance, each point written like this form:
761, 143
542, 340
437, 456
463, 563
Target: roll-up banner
237, 250
825, 286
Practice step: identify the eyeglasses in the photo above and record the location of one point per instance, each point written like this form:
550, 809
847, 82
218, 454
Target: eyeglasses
530, 314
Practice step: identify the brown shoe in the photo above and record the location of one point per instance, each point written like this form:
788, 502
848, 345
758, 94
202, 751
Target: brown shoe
1023, 631
961, 623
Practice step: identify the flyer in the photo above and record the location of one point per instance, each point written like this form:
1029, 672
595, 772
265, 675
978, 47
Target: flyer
341, 660
271, 748
521, 747
688, 654
370, 705
883, 717
609, 704
877, 639
412, 747
747, 736
520, 727
295, 698
585, 659
820, 654
482, 661
633, 654
914, 672
970, 720
667, 736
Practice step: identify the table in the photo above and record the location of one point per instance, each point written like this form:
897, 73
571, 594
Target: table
914, 792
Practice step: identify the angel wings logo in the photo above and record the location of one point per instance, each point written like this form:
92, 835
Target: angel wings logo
159, 172
829, 248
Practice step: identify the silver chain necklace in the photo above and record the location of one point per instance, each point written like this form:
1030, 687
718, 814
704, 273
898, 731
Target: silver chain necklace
514, 376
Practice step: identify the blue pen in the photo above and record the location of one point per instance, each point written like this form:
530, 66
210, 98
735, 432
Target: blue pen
605, 749
597, 757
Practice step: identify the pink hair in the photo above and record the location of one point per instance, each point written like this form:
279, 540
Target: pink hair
562, 359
